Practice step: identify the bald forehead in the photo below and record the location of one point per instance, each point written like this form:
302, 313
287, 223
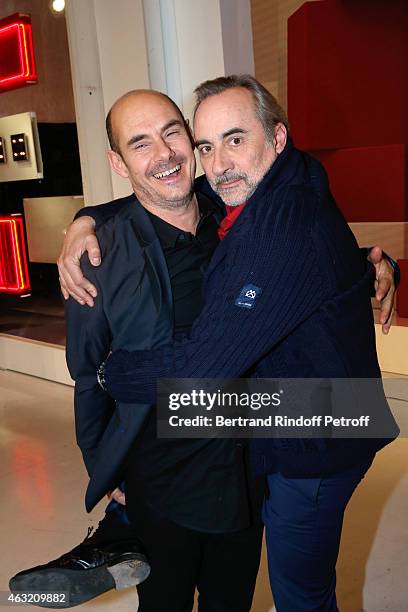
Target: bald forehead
137, 108
141, 100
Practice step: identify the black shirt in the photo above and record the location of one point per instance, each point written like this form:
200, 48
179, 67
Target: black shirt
187, 257
197, 483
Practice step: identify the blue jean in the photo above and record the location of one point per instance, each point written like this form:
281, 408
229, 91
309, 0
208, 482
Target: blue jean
303, 520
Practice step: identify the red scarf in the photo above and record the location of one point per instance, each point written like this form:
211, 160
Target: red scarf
233, 213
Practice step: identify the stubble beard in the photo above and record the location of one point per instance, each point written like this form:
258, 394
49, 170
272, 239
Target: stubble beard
251, 184
155, 198
171, 203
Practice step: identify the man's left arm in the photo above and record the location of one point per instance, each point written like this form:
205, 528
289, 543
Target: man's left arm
242, 319
227, 339
88, 343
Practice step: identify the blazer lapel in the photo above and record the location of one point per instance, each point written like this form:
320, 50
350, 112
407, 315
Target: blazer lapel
161, 285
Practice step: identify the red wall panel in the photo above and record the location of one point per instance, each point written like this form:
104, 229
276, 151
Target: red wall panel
402, 293
368, 183
347, 73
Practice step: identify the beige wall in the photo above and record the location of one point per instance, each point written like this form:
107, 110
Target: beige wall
52, 97
269, 23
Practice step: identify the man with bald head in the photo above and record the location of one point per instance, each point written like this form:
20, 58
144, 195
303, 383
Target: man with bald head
193, 508
142, 127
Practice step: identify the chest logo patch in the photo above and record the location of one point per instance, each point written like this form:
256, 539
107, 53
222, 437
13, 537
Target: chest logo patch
247, 296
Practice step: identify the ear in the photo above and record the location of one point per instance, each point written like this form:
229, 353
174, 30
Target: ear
280, 138
117, 164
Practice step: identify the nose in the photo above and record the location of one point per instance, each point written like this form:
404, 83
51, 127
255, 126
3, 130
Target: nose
163, 151
221, 161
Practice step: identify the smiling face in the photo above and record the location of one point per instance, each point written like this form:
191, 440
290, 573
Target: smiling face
230, 138
153, 150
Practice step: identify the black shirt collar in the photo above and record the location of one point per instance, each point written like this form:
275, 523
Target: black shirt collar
169, 234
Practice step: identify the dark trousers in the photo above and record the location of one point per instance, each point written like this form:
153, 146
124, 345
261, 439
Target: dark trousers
303, 521
223, 567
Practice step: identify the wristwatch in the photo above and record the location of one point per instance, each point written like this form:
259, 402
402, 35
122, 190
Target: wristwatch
100, 375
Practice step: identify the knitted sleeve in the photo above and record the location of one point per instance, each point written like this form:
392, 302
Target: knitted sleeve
269, 284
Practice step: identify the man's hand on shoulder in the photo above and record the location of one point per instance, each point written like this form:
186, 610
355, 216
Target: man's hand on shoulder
384, 286
80, 238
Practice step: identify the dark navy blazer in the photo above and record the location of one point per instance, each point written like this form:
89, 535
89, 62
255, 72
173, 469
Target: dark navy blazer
134, 310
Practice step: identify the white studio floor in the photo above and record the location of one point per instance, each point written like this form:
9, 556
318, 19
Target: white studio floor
42, 512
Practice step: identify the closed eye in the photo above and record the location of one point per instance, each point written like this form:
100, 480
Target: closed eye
140, 146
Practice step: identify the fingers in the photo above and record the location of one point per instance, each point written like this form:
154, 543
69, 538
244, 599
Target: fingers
384, 286
80, 238
119, 496
387, 324
386, 315
386, 307
80, 289
385, 279
94, 253
387, 310
80, 285
375, 255
64, 290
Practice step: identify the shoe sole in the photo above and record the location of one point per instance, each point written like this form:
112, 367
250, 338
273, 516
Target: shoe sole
129, 573
80, 586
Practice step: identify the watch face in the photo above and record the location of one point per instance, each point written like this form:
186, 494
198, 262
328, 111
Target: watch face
100, 375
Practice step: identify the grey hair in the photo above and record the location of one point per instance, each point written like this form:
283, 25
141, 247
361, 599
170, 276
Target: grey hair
268, 111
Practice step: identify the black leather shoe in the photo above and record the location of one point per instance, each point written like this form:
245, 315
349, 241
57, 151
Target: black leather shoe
92, 568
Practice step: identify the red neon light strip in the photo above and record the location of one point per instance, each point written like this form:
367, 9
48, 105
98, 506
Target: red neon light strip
29, 31
26, 53
13, 260
14, 270
25, 276
13, 244
21, 48
18, 259
8, 265
27, 65
3, 258
15, 76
